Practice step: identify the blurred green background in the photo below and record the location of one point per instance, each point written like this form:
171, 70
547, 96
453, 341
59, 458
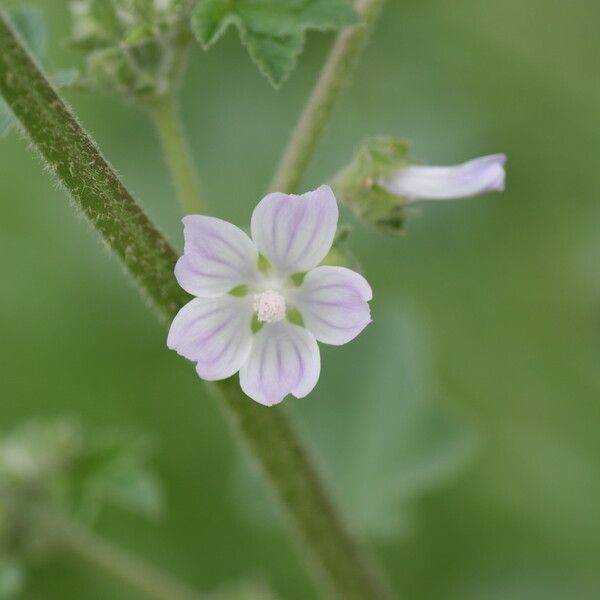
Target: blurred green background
468, 436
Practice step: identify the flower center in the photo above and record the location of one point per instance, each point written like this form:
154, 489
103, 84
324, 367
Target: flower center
269, 306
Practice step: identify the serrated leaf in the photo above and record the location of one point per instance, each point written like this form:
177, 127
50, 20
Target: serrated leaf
382, 446
273, 31
275, 56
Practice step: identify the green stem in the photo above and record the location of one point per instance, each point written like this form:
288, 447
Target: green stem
117, 562
340, 564
334, 75
177, 151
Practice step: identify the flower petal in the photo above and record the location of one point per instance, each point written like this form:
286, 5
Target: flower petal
334, 303
295, 232
215, 333
485, 174
284, 360
218, 257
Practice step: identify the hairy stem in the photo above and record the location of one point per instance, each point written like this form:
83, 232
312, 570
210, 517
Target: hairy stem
343, 568
167, 121
334, 75
339, 563
116, 561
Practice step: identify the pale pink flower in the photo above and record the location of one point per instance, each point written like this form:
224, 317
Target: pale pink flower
477, 176
250, 330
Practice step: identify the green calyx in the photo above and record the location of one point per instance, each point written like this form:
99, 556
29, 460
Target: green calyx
293, 316
357, 185
263, 263
239, 292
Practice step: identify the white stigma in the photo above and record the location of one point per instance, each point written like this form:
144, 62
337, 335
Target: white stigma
269, 306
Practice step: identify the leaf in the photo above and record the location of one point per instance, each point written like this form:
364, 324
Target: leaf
113, 471
29, 21
384, 445
273, 31
245, 590
12, 578
65, 77
7, 119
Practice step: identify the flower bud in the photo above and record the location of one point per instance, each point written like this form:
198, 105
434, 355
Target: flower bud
358, 184
477, 176
134, 48
382, 181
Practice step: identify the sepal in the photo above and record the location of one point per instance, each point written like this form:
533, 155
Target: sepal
358, 185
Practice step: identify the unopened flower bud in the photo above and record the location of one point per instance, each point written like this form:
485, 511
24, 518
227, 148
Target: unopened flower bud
382, 181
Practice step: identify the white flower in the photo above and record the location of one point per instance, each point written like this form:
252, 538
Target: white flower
220, 266
476, 176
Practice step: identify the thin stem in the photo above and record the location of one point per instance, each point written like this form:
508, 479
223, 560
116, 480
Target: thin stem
340, 565
167, 121
334, 75
117, 562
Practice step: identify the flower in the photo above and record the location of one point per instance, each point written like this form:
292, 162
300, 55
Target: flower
253, 312
485, 174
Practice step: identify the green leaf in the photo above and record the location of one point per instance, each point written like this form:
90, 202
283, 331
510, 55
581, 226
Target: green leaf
65, 77
29, 21
273, 31
245, 590
113, 470
11, 578
7, 119
385, 445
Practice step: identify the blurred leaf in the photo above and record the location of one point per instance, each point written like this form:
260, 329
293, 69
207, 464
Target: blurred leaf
30, 22
11, 578
272, 31
112, 470
38, 451
380, 450
340, 254
247, 590
6, 118
65, 77
55, 466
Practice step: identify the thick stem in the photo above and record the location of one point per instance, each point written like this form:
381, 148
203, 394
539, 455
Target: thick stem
334, 75
117, 562
167, 121
339, 563
343, 567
